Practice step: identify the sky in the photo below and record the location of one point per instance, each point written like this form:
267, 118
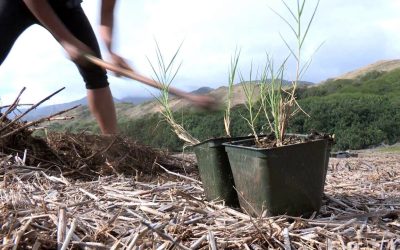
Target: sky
352, 33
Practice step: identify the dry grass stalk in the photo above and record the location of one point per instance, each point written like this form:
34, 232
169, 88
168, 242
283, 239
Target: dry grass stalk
178, 129
13, 106
10, 128
61, 227
69, 235
7, 125
31, 124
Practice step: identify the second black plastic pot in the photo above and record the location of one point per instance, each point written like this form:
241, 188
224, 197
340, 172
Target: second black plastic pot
283, 180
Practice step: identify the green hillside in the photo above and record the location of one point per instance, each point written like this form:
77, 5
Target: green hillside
375, 83
361, 112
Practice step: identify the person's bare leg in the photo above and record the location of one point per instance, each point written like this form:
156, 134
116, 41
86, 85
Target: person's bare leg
101, 105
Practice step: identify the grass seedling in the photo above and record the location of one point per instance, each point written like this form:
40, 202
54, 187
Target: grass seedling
249, 89
282, 103
165, 73
272, 97
231, 81
296, 26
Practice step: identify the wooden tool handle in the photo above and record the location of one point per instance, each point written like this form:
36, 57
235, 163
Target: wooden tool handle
131, 74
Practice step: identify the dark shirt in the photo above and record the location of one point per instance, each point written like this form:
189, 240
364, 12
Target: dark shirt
73, 3
67, 3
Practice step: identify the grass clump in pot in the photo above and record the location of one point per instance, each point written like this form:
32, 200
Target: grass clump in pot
278, 101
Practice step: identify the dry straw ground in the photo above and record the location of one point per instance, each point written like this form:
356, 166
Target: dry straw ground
41, 208
90, 192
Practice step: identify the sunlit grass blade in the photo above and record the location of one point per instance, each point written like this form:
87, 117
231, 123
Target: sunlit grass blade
231, 80
250, 102
300, 12
284, 19
307, 64
264, 90
309, 23
292, 52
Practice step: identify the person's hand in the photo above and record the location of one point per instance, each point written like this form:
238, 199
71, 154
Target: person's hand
76, 51
120, 62
204, 101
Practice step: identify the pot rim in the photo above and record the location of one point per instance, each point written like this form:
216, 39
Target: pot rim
219, 141
234, 144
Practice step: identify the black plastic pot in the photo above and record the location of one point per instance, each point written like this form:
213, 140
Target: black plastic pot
215, 171
283, 180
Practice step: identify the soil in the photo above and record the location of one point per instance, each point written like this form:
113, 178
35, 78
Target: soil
269, 141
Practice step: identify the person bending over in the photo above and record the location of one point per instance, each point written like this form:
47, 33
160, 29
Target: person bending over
67, 22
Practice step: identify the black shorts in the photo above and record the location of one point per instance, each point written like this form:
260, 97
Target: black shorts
15, 17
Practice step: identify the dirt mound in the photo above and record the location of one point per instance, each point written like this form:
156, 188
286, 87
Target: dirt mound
104, 155
84, 155
91, 155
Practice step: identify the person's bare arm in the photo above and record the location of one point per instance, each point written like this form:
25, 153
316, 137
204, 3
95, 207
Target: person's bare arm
42, 10
106, 31
107, 22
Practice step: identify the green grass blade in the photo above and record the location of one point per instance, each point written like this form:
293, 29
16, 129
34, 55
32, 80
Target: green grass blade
285, 20
294, 54
309, 24
174, 57
290, 11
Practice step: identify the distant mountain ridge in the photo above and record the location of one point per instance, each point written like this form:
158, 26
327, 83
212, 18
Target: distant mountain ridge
382, 65
202, 91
